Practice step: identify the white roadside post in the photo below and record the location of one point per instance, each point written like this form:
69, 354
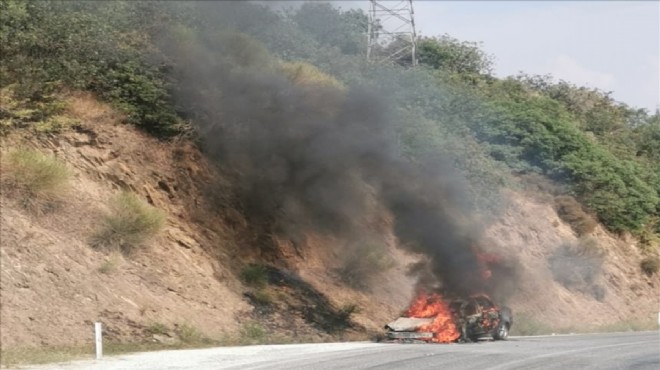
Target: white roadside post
99, 340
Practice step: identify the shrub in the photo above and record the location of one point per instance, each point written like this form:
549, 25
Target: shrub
190, 335
128, 224
158, 328
650, 265
252, 332
321, 90
55, 124
262, 297
92, 46
44, 112
254, 275
305, 74
572, 213
108, 266
38, 181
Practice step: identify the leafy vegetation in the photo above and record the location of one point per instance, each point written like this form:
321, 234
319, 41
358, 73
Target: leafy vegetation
100, 47
190, 335
254, 275
450, 109
252, 333
129, 223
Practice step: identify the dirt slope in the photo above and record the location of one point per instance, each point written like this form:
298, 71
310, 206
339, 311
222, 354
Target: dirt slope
531, 231
53, 285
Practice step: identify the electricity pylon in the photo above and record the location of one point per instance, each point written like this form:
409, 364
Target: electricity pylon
391, 36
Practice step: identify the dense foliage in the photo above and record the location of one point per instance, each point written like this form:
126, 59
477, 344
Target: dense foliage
451, 107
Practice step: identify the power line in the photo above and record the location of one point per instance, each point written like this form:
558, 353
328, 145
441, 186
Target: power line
391, 35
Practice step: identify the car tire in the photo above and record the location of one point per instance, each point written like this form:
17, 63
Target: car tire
502, 332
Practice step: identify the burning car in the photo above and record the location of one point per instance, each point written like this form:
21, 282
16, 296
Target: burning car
432, 319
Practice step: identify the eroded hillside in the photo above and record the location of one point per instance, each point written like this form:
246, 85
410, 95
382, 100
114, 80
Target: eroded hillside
54, 285
203, 173
190, 277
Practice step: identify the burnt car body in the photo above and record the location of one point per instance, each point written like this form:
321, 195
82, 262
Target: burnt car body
475, 318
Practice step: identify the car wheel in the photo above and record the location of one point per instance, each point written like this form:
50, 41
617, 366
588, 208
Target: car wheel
502, 332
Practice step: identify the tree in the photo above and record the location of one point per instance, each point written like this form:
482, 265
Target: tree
331, 26
450, 54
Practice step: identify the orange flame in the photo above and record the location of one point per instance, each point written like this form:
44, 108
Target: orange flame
443, 326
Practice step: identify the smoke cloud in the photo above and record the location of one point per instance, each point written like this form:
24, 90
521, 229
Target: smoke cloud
315, 156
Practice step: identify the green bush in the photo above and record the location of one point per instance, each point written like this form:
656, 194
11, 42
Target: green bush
129, 223
42, 113
254, 275
260, 296
129, 53
252, 332
38, 181
534, 133
190, 335
101, 47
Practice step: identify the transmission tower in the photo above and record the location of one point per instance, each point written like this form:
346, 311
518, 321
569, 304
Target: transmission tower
391, 36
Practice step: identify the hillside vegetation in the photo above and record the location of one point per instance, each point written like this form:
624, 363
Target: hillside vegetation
196, 173
137, 55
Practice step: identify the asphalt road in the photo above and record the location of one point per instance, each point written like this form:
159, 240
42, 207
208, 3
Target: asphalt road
591, 351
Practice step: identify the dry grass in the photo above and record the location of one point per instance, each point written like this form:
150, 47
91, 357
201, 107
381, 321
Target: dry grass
525, 324
44, 355
130, 222
55, 124
305, 74
47, 114
650, 265
321, 91
572, 213
86, 108
38, 181
262, 297
157, 328
110, 264
189, 335
253, 331
627, 325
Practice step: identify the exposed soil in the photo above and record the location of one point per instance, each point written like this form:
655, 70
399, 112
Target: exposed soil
531, 232
54, 285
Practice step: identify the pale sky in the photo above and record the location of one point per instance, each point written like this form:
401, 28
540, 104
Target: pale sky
610, 45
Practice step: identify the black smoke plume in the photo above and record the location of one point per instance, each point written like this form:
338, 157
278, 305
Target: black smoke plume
310, 157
